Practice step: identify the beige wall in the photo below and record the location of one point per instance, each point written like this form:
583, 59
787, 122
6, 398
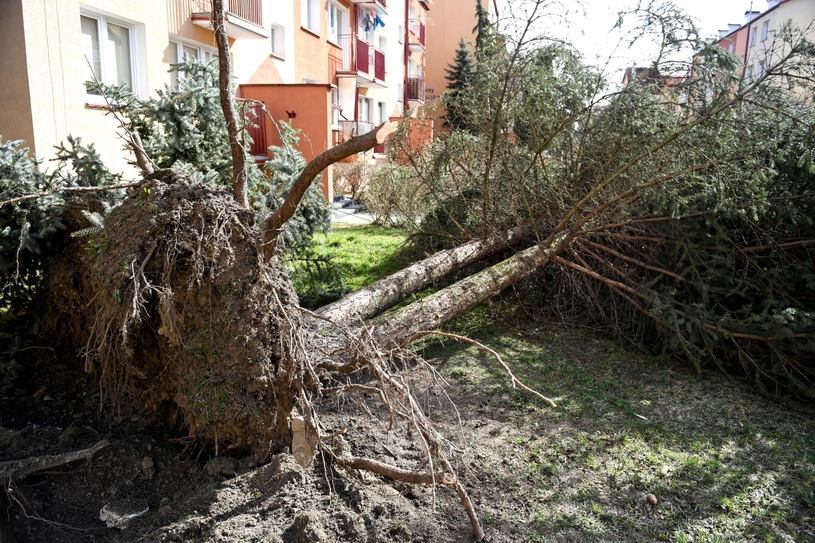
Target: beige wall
57, 70
15, 101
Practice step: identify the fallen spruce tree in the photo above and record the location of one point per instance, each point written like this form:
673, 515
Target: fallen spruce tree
180, 306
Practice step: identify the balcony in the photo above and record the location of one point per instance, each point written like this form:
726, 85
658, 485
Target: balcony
244, 18
349, 129
416, 34
382, 4
255, 114
415, 88
358, 58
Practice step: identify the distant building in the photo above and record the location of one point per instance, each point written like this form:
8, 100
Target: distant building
753, 41
651, 77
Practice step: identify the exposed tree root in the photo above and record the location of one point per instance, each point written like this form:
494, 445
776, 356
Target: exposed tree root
16, 470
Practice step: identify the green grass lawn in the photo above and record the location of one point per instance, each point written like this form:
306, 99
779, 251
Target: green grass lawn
724, 463
363, 253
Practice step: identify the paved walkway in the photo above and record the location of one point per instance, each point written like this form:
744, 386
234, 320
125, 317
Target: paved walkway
347, 216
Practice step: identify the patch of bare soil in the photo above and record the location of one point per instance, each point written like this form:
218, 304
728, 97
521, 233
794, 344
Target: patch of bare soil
639, 449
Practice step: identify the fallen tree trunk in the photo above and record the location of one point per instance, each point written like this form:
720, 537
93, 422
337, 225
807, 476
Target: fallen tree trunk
419, 318
385, 293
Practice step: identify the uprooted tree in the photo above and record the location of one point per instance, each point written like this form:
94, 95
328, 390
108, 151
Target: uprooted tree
176, 298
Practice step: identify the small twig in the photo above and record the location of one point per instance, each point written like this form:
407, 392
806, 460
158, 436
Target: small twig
514, 380
35, 195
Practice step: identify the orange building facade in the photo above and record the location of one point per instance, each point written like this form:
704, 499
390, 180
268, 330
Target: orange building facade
448, 23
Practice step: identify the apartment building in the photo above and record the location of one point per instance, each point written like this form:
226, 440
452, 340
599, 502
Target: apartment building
333, 68
756, 41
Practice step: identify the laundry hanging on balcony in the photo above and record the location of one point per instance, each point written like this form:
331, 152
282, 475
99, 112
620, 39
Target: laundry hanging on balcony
371, 20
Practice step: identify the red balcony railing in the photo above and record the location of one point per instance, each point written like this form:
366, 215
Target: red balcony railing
415, 88
379, 65
256, 127
248, 10
363, 58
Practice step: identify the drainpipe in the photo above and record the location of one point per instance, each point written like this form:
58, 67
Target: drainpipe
747, 44
406, 60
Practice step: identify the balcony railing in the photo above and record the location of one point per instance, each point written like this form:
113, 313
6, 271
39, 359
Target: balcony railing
248, 10
379, 65
349, 129
344, 58
415, 88
416, 32
256, 127
362, 57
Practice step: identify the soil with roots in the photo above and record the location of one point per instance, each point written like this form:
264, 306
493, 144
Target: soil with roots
175, 314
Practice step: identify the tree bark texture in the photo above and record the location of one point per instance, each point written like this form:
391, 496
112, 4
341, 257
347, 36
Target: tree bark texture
233, 127
385, 293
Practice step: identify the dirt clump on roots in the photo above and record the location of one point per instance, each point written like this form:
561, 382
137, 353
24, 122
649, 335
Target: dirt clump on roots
172, 307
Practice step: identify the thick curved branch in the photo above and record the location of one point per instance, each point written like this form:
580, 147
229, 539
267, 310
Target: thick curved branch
274, 223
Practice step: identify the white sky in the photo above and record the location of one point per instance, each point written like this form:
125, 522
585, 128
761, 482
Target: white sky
587, 24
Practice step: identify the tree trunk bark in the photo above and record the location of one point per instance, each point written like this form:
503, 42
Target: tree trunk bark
385, 293
421, 317
233, 128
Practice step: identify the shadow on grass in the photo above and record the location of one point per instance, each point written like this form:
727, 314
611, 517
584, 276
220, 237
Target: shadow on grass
721, 462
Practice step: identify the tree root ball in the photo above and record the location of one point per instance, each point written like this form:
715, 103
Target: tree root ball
173, 308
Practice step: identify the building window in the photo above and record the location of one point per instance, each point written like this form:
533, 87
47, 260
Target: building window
765, 30
748, 73
753, 32
382, 113
310, 15
733, 48
107, 45
180, 51
278, 37
761, 68
335, 108
338, 19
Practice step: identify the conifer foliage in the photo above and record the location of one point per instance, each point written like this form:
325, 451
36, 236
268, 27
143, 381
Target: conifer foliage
459, 75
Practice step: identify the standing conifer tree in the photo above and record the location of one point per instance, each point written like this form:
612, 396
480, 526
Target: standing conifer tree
483, 26
459, 75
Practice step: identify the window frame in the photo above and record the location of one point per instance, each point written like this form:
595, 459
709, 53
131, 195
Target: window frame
102, 22
278, 28
180, 44
334, 32
310, 9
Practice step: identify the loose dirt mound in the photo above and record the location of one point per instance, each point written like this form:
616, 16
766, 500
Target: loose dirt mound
176, 313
